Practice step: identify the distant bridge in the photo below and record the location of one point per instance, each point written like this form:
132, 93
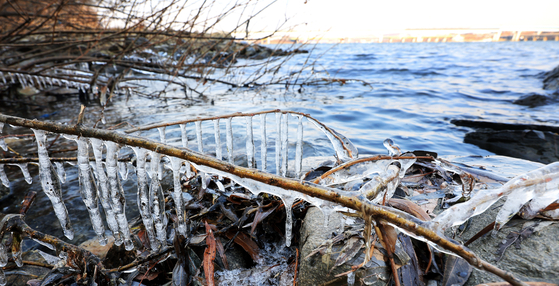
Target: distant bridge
410, 36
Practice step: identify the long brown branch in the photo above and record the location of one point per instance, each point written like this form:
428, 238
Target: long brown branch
396, 218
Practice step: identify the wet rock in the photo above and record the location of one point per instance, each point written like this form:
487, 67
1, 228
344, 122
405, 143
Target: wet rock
313, 233
317, 269
533, 145
534, 99
93, 246
535, 142
551, 80
535, 260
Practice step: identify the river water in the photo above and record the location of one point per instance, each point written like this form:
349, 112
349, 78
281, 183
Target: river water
417, 88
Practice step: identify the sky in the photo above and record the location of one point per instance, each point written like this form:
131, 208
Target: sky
372, 16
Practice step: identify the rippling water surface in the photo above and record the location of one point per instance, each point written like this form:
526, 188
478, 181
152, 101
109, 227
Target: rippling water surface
416, 90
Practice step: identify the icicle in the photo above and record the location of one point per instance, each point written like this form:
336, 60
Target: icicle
288, 202
88, 190
97, 146
229, 140
16, 249
118, 200
25, 171
203, 178
2, 142
299, 148
36, 82
217, 135
345, 150
3, 255
220, 186
3, 177
143, 195
3, 78
60, 171
199, 136
264, 142
45, 244
43, 82
250, 142
278, 143
176, 165
157, 202
51, 184
164, 141
284, 145
255, 187
184, 137
162, 135
123, 170
20, 80
351, 278
12, 77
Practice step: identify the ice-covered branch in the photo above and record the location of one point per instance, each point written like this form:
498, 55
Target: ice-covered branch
258, 181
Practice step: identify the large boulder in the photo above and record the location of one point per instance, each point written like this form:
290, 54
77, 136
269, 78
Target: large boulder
535, 260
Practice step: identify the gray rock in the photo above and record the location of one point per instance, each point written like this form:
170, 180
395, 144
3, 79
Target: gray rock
317, 270
536, 260
551, 80
312, 271
534, 145
534, 99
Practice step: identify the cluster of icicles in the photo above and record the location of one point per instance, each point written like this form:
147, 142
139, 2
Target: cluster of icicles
101, 182
41, 82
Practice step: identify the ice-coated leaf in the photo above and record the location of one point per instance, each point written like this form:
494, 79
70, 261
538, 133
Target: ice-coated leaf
519, 190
